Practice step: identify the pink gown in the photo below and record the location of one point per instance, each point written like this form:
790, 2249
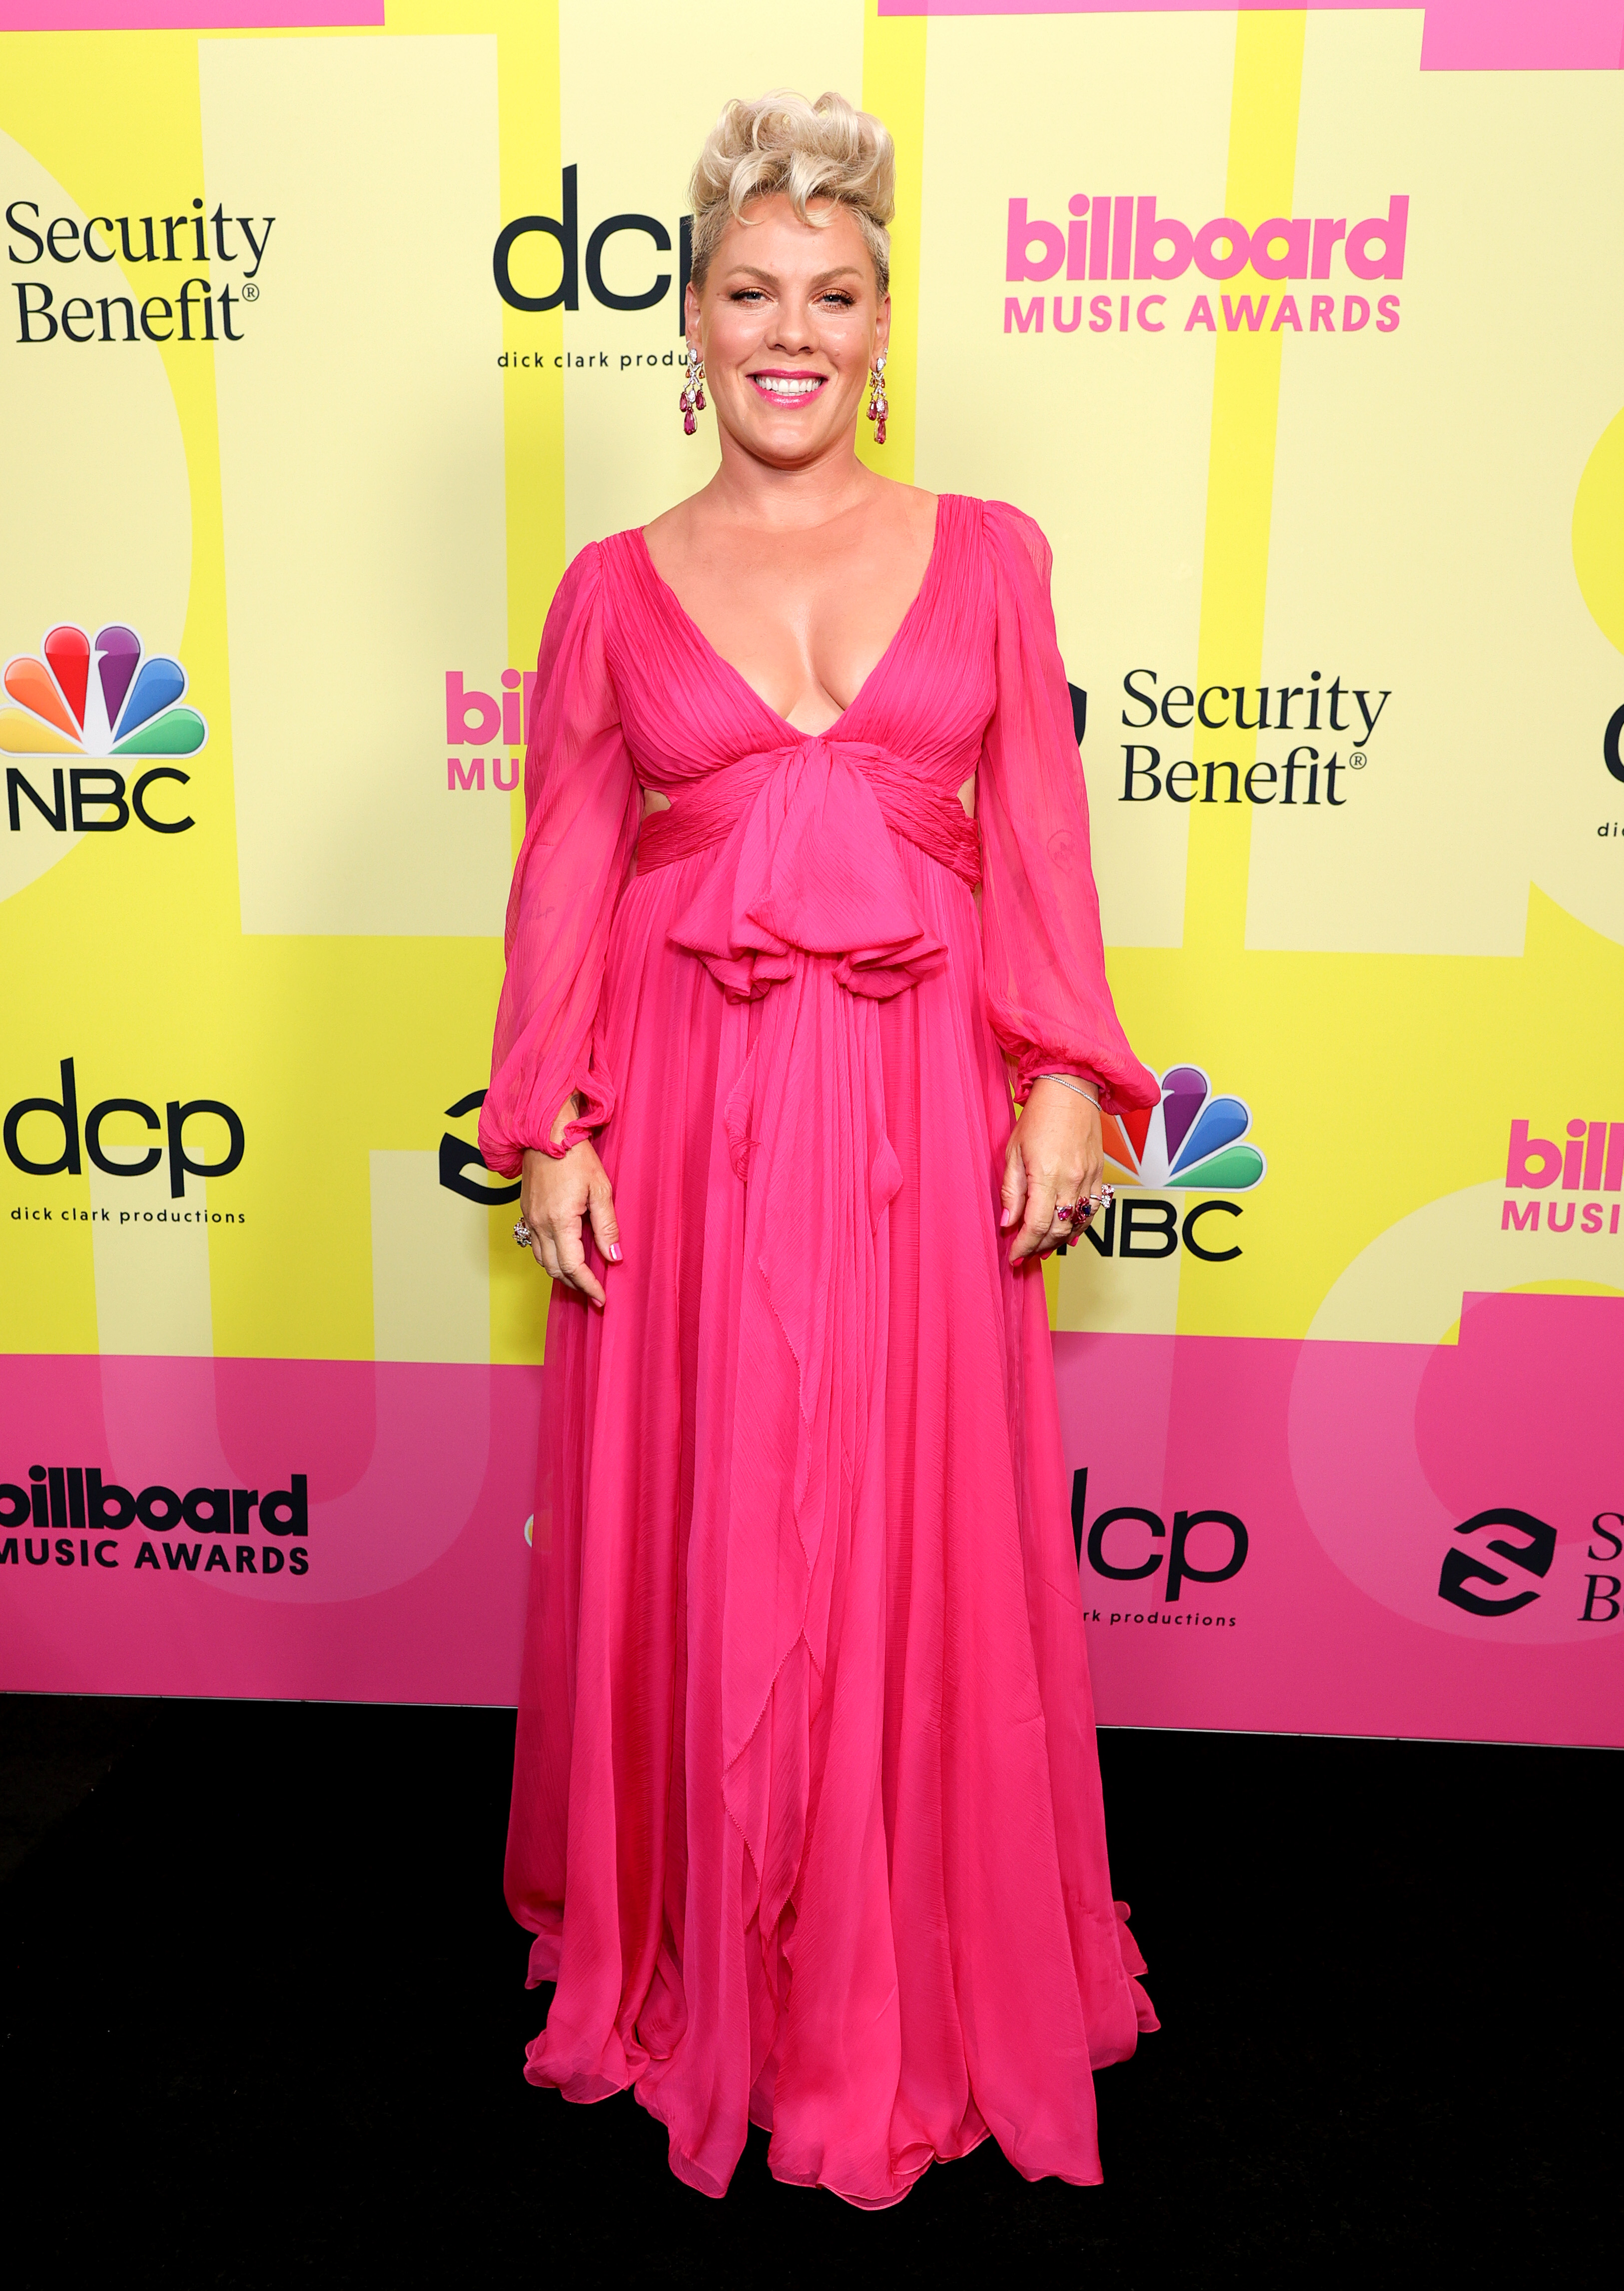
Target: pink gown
806, 1817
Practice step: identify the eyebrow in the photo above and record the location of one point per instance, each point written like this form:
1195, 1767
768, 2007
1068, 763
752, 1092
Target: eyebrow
770, 278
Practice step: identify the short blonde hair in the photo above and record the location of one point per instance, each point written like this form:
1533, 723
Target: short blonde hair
781, 143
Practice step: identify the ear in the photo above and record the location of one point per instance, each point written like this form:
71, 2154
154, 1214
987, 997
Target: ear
691, 315
882, 325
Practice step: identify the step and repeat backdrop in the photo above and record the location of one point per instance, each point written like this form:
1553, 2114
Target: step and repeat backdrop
330, 332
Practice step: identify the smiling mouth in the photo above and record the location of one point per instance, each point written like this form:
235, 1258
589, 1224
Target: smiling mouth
788, 389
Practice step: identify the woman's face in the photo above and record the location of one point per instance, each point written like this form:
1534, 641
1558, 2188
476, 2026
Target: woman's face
787, 324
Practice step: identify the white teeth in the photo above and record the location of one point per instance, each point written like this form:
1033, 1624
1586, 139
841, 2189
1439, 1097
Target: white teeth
786, 386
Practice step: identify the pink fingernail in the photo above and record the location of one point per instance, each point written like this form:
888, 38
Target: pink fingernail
614, 1252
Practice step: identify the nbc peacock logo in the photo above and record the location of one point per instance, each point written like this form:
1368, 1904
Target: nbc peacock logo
129, 707
1192, 1141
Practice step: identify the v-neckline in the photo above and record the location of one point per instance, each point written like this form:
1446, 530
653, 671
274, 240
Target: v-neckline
737, 674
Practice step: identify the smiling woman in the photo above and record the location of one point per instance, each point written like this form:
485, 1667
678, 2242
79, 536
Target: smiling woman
806, 1812
788, 314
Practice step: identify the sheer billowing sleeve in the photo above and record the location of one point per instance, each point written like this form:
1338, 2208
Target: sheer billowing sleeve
1048, 999
582, 813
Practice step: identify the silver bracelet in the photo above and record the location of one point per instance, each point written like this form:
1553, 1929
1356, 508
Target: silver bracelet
1067, 1083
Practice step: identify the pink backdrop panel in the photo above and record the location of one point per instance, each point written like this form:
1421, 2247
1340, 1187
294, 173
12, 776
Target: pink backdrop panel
1355, 1471
419, 1482
1459, 35
186, 15
1351, 1472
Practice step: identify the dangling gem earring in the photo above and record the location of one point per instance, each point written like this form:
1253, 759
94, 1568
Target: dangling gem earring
877, 407
693, 399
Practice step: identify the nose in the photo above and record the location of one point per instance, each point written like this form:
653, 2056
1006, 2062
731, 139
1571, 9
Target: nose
793, 334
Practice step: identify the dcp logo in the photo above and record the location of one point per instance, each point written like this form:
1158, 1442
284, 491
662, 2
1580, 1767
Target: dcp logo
51, 1119
1128, 1543
565, 231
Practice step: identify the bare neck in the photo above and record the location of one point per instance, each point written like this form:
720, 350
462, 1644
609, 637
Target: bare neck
749, 491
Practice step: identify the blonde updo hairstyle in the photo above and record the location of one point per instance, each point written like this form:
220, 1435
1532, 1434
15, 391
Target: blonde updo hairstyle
781, 143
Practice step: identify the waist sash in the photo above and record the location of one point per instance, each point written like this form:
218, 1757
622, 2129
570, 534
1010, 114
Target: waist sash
707, 811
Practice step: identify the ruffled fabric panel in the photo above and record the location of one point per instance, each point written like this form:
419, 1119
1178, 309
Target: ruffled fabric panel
926, 1947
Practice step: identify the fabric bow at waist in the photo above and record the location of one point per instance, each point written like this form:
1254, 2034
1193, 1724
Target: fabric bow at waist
807, 913
808, 864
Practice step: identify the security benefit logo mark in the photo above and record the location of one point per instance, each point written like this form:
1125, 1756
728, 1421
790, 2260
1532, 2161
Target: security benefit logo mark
74, 1507
1305, 778
458, 1157
211, 242
130, 709
1470, 1579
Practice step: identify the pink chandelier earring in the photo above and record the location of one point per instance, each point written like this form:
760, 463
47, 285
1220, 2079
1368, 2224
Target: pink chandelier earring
693, 399
877, 407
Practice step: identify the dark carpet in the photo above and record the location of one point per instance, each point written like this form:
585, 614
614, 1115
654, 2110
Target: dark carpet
264, 2024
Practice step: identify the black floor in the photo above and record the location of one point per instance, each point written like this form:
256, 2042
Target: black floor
264, 2023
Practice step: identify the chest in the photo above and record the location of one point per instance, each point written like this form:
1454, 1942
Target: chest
806, 630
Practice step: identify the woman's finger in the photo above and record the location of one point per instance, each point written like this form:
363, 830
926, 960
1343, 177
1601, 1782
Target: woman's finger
605, 1225
545, 1247
573, 1265
1040, 1216
1013, 1192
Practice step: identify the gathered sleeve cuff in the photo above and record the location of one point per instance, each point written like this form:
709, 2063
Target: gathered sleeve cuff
582, 816
1044, 961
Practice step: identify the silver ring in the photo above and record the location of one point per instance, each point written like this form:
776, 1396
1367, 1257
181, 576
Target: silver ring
522, 1235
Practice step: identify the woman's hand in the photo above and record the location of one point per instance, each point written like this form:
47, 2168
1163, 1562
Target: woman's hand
1054, 1161
556, 1200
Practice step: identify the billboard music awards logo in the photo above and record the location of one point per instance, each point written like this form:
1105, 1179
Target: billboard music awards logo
1120, 243
129, 708
49, 309
72, 1507
479, 720
1588, 1161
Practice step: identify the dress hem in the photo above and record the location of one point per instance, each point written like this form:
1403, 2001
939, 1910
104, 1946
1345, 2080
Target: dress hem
587, 2092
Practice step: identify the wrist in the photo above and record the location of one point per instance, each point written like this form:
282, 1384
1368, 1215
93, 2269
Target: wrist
568, 1113
1081, 1086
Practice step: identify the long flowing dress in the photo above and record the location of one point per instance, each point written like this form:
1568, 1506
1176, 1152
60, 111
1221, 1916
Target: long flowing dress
806, 1817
